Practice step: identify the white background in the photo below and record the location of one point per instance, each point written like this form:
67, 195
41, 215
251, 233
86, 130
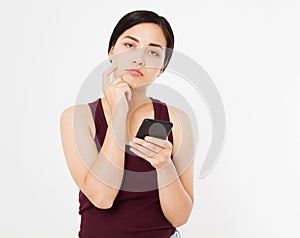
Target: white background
249, 48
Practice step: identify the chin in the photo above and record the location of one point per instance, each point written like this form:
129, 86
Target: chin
130, 85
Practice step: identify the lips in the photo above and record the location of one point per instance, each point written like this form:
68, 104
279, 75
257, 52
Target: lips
135, 72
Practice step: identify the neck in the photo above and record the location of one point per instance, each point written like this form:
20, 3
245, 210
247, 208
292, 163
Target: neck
138, 99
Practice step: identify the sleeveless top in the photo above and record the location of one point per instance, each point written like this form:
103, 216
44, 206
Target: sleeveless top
134, 214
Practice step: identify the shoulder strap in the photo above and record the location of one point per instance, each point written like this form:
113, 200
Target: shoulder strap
161, 113
99, 120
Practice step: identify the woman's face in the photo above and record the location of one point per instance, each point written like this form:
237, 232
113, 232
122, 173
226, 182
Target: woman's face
139, 54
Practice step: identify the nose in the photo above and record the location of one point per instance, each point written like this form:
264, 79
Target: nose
138, 57
138, 62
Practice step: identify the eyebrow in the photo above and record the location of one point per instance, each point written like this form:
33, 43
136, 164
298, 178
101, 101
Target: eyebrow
136, 40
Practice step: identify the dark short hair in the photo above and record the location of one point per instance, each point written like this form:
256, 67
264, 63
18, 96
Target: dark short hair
142, 16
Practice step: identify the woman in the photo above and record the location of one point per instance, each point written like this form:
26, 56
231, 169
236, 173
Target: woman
147, 191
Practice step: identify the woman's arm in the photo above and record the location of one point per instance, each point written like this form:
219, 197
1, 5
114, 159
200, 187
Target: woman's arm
175, 177
86, 165
176, 193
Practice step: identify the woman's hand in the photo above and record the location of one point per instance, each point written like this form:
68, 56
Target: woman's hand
116, 90
156, 151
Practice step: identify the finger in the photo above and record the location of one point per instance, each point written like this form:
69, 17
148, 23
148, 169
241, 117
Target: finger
128, 93
125, 89
142, 149
118, 80
147, 144
126, 76
115, 82
128, 96
106, 74
156, 141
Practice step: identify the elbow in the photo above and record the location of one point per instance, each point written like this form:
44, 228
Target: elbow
179, 223
98, 198
183, 219
102, 203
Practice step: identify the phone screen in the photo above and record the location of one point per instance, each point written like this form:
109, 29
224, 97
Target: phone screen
154, 128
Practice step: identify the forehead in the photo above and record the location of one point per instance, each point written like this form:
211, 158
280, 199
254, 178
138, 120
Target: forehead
146, 33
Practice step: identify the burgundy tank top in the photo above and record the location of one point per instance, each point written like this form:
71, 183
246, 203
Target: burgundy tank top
133, 214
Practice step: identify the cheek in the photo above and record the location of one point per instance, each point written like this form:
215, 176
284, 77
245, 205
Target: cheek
155, 62
151, 73
120, 60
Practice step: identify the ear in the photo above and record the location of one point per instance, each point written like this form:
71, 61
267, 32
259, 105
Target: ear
111, 51
160, 72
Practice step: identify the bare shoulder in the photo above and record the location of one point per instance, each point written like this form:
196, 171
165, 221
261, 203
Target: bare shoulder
181, 127
81, 114
176, 114
81, 108
180, 119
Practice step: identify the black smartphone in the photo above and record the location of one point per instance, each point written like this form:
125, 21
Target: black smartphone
154, 128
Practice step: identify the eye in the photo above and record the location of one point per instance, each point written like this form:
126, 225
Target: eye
152, 52
128, 45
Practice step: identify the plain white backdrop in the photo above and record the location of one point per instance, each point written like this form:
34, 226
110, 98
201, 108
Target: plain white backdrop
249, 48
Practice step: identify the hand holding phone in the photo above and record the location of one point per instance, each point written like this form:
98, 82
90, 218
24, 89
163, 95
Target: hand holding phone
154, 128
